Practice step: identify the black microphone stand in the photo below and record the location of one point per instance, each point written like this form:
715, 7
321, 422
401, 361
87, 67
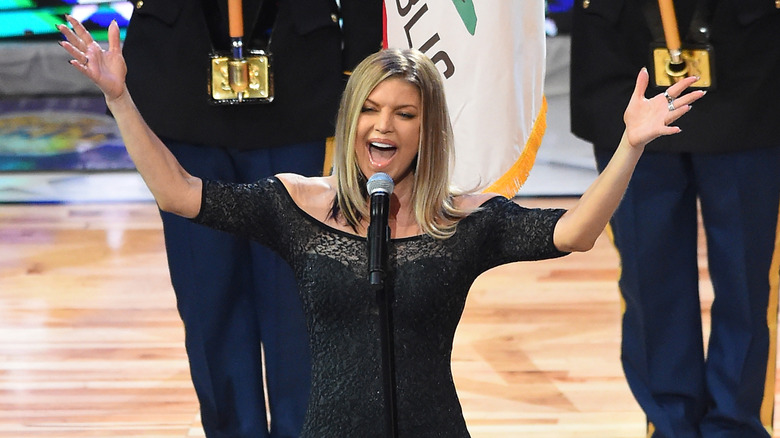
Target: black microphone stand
380, 233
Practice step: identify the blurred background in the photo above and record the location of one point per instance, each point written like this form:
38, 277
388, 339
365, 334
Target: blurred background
57, 144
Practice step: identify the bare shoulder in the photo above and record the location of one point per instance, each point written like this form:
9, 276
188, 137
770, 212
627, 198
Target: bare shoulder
314, 195
472, 201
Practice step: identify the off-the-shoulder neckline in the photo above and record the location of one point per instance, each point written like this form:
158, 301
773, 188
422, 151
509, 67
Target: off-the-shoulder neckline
334, 230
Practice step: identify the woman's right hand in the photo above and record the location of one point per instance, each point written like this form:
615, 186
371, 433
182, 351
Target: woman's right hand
106, 68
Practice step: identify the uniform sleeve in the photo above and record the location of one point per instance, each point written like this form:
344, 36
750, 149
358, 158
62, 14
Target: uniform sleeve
362, 30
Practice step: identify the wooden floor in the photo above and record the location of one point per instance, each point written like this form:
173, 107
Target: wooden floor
91, 344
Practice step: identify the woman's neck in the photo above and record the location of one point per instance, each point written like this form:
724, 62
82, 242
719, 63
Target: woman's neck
402, 220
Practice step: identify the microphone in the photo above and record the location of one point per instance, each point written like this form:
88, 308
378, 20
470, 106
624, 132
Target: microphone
380, 187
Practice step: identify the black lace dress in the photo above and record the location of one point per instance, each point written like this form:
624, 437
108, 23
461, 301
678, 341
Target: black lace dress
429, 279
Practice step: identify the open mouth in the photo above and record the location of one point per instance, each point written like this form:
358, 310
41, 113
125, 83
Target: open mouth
381, 153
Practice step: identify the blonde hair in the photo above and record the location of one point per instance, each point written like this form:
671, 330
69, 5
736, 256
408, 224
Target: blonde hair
432, 196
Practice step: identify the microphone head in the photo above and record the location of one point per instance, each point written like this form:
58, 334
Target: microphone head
380, 183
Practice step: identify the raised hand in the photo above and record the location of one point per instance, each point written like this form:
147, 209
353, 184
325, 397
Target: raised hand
106, 68
647, 119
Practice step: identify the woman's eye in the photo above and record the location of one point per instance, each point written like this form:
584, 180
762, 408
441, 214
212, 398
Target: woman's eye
366, 109
407, 115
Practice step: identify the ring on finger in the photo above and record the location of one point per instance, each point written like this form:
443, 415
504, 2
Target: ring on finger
669, 98
671, 104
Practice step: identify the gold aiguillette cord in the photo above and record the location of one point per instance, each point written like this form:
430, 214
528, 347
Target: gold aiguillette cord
237, 66
677, 66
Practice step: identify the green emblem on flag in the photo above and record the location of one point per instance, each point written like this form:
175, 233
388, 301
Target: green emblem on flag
467, 14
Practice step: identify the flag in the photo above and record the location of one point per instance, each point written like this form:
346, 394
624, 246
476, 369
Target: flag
491, 54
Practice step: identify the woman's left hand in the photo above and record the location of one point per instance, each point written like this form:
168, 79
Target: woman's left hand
648, 119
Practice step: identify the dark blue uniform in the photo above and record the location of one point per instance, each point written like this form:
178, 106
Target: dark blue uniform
726, 164
236, 297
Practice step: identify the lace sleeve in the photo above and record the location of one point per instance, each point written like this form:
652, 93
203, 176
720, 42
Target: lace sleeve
514, 233
247, 210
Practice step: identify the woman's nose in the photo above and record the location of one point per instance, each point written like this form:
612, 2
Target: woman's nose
384, 123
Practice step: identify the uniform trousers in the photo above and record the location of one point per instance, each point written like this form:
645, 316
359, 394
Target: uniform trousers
729, 392
233, 295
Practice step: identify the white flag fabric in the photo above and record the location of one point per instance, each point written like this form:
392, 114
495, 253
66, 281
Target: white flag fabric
491, 54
